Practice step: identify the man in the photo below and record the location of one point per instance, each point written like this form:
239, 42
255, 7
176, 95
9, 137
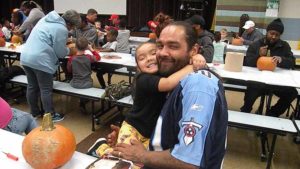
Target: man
91, 16
282, 57
205, 38
250, 34
191, 129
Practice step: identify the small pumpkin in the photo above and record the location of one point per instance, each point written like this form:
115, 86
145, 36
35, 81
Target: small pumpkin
152, 36
265, 63
72, 48
2, 42
16, 39
49, 146
237, 42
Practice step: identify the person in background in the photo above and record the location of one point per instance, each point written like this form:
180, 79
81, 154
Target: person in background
91, 16
114, 22
163, 20
110, 46
34, 13
14, 120
6, 29
219, 49
224, 35
205, 38
243, 19
283, 57
123, 38
80, 67
100, 32
85, 30
39, 57
17, 18
250, 34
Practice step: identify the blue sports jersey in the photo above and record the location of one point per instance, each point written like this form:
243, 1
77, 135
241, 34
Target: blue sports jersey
193, 122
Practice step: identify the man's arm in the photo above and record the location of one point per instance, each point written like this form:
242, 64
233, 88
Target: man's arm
207, 49
252, 55
288, 62
138, 154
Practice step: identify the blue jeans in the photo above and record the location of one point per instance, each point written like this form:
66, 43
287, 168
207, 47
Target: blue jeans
21, 122
39, 82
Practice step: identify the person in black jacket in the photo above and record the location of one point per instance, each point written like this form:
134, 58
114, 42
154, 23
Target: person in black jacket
283, 57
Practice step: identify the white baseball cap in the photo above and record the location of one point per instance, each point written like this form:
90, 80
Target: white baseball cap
249, 24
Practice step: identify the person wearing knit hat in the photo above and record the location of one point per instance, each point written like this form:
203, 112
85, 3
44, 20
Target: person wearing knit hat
282, 56
15, 120
250, 34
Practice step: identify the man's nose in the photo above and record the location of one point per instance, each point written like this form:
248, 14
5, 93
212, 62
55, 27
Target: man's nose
164, 51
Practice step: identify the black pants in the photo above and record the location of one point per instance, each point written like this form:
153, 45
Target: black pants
254, 90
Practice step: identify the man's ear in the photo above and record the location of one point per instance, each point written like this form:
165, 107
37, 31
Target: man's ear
194, 50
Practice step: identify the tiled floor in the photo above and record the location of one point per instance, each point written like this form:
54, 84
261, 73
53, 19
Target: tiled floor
243, 148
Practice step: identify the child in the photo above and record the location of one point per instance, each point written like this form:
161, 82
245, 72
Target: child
219, 48
123, 38
80, 66
150, 94
14, 120
111, 44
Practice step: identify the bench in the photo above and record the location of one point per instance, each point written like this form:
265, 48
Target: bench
92, 94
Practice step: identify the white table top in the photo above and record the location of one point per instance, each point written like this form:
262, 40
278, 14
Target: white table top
126, 100
298, 123
262, 121
126, 59
243, 49
6, 49
138, 39
279, 77
12, 143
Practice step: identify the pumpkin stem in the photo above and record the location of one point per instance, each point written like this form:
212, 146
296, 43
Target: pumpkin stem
47, 124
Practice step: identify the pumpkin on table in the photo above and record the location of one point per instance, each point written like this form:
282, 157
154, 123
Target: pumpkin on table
237, 41
2, 42
16, 39
49, 146
265, 63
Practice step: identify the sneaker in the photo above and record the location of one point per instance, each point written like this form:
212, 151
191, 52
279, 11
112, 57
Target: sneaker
56, 117
92, 150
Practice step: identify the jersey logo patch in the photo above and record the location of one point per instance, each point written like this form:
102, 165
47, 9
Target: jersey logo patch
190, 130
197, 107
206, 73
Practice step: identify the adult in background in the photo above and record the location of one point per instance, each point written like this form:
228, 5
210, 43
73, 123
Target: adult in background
192, 127
39, 57
91, 16
250, 34
205, 38
283, 57
34, 13
123, 38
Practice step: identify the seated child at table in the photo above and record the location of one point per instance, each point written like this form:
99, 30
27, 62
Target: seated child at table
14, 120
111, 44
150, 94
80, 66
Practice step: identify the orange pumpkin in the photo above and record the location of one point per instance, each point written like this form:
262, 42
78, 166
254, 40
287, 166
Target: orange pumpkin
2, 42
237, 42
49, 146
265, 63
152, 35
16, 39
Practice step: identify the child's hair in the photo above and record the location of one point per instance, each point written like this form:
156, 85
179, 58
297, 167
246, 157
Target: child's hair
82, 43
217, 36
113, 32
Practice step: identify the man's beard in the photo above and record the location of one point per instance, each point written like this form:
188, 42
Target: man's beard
167, 71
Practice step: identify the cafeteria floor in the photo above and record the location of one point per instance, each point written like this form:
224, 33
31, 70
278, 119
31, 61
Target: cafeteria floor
243, 147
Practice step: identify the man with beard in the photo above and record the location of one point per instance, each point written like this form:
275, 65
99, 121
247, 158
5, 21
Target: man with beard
192, 127
282, 56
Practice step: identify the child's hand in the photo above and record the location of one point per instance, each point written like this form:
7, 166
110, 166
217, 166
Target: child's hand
90, 47
198, 61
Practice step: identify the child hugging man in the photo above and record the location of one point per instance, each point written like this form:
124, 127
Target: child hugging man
80, 66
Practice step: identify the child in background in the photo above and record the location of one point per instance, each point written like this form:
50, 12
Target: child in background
150, 94
111, 44
80, 66
123, 38
14, 120
219, 49
224, 35
100, 32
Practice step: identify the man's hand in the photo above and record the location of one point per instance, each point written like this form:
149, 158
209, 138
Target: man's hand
276, 59
263, 50
113, 136
134, 152
198, 61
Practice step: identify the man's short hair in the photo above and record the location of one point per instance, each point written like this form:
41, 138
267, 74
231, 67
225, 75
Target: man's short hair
190, 33
81, 43
196, 20
91, 11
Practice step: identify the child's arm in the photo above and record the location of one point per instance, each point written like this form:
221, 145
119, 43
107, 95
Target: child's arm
198, 61
169, 83
106, 50
95, 57
69, 64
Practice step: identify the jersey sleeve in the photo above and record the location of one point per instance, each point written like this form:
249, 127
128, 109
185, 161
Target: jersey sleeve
194, 125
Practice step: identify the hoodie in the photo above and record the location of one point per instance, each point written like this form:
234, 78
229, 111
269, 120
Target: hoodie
205, 40
46, 44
